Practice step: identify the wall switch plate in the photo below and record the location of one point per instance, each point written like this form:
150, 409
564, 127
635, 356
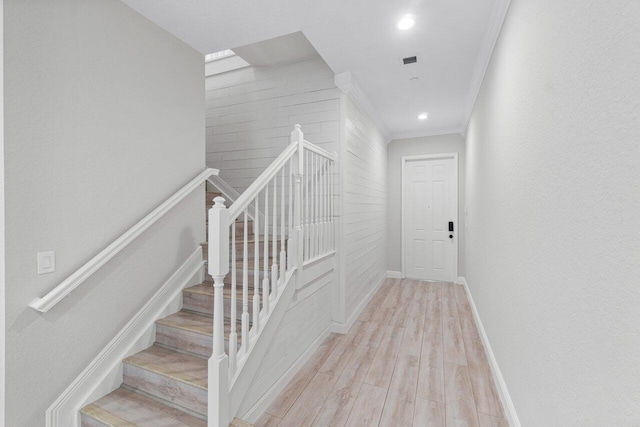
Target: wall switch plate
46, 262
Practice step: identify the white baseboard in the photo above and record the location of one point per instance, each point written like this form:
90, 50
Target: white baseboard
343, 328
270, 396
104, 373
498, 379
391, 274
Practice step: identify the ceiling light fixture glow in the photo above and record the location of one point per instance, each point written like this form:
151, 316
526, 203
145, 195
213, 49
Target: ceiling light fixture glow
406, 22
423, 116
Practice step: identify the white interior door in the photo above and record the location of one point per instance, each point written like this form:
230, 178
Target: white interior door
430, 194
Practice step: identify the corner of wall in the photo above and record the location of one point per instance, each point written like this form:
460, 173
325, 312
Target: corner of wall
498, 379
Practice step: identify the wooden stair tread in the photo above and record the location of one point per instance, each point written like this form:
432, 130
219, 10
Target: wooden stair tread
193, 322
240, 423
125, 408
181, 367
198, 323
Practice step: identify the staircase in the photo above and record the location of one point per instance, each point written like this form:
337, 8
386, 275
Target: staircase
166, 384
205, 357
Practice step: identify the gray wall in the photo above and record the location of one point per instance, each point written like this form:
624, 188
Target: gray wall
2, 225
411, 147
553, 193
96, 136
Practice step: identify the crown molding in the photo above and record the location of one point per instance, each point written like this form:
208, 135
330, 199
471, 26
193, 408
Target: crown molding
346, 82
428, 132
498, 14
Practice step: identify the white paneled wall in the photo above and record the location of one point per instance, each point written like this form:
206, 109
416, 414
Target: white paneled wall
365, 205
304, 322
251, 112
250, 115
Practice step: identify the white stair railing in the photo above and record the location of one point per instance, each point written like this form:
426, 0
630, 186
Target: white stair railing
294, 227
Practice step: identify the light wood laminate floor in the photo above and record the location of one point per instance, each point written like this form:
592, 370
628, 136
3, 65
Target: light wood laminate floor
413, 358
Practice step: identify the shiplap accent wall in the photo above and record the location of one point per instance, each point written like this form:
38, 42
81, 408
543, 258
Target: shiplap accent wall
365, 204
251, 112
249, 117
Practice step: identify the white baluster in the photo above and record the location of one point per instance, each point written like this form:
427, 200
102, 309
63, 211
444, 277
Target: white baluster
255, 327
233, 335
307, 203
290, 229
265, 280
274, 242
218, 400
245, 286
314, 190
296, 241
332, 230
323, 205
326, 206
283, 254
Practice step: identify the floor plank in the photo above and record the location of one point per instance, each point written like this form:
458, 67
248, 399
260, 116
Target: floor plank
372, 335
489, 421
384, 361
296, 386
449, 305
460, 406
368, 406
405, 375
336, 361
305, 409
398, 410
414, 328
453, 345
429, 413
431, 374
267, 420
337, 407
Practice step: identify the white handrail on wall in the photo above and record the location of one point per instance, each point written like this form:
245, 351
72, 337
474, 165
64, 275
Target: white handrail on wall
54, 296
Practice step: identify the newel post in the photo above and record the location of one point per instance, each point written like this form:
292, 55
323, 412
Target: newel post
296, 241
218, 410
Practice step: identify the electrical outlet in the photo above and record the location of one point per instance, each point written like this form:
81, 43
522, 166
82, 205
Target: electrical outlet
46, 262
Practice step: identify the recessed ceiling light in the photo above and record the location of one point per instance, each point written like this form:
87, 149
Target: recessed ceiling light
406, 22
423, 116
413, 79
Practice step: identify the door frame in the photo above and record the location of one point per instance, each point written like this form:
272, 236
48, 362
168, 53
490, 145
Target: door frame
406, 159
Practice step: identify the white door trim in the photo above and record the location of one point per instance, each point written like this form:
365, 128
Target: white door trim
405, 159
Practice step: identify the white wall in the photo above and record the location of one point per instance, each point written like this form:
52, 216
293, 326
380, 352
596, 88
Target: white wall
251, 112
553, 189
364, 234
411, 147
2, 223
96, 136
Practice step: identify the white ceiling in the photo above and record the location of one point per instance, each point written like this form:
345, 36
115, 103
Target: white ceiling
453, 40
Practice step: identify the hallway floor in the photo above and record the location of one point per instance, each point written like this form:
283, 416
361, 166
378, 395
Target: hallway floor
413, 358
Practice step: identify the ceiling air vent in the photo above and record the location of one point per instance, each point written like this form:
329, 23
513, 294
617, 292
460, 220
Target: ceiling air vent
410, 60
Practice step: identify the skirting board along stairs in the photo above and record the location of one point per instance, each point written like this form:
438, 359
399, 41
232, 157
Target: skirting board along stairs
166, 384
